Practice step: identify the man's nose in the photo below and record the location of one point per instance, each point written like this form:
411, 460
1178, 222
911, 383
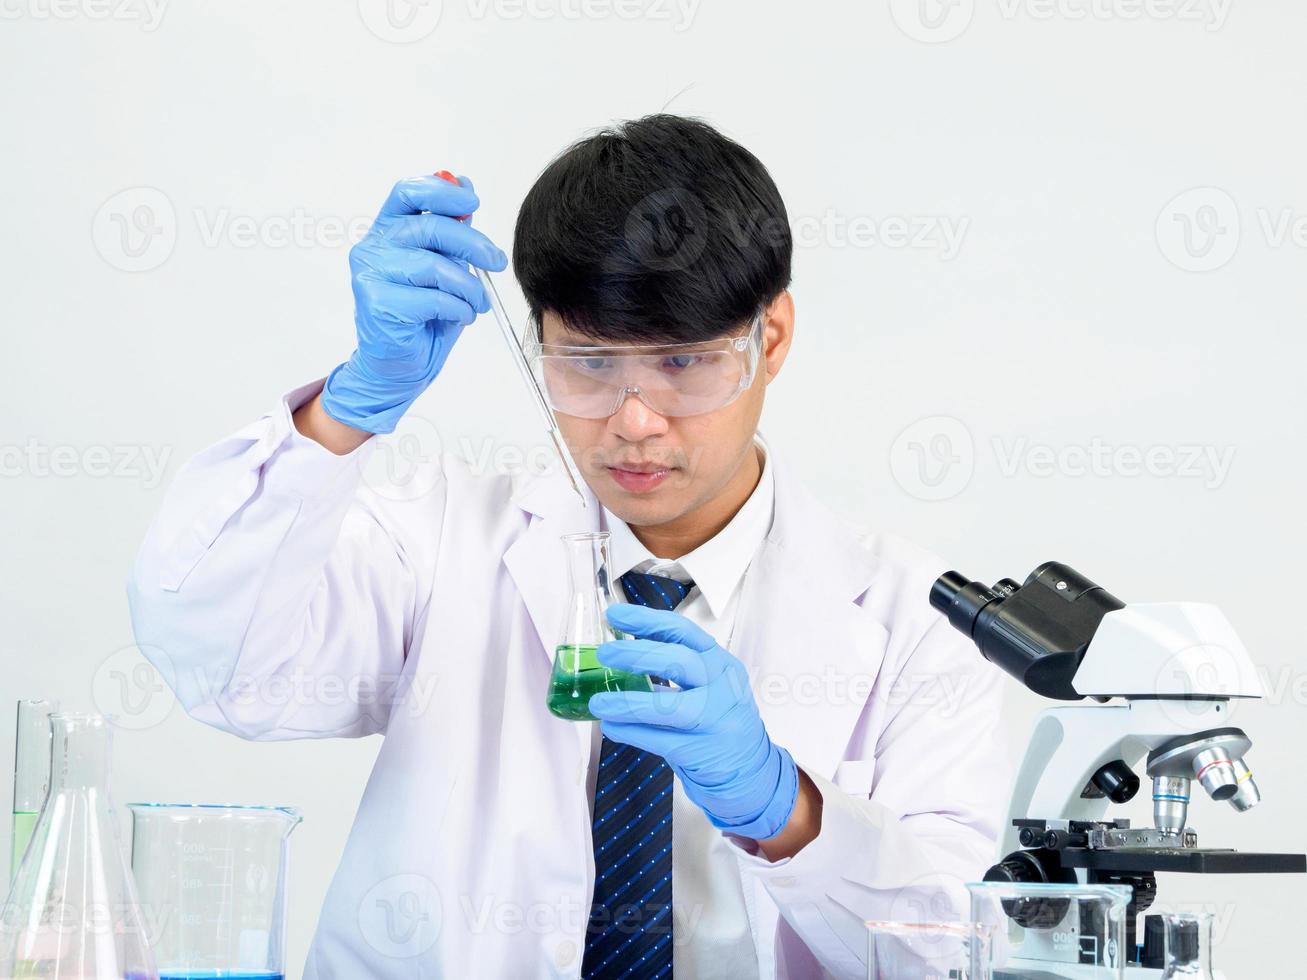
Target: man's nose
634, 420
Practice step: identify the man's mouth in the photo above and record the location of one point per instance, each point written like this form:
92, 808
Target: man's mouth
639, 477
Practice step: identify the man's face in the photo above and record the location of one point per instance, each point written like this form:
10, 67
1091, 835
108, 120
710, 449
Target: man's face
651, 469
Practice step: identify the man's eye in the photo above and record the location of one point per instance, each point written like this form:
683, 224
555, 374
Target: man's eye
593, 363
679, 362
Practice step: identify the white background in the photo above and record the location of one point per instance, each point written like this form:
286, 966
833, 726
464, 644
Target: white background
1095, 299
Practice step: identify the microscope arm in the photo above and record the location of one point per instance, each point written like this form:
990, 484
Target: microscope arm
1070, 743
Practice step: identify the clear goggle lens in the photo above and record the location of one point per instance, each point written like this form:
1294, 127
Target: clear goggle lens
675, 380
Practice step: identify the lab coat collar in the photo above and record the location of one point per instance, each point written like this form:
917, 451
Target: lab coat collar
717, 566
812, 652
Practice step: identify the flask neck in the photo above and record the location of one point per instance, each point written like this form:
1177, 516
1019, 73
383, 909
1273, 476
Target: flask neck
79, 752
588, 566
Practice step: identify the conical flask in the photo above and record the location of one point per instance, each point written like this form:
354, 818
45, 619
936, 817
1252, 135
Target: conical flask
577, 671
72, 912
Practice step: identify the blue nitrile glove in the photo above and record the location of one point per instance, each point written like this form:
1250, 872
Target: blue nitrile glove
413, 295
709, 732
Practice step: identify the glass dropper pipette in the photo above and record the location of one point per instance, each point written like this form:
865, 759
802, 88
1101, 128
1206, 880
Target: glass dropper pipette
524, 368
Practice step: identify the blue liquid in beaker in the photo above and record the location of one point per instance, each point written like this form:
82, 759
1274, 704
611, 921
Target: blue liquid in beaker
218, 975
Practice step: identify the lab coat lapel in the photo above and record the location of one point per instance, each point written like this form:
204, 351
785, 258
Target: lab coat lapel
812, 653
537, 562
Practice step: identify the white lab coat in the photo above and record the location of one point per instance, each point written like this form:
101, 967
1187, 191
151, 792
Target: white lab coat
276, 585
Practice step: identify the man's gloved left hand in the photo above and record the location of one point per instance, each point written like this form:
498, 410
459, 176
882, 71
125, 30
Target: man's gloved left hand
709, 731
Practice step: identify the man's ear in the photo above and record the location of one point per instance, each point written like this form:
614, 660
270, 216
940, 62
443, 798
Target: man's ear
777, 332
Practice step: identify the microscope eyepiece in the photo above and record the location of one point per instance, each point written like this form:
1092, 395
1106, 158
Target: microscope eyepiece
946, 588
960, 599
1037, 631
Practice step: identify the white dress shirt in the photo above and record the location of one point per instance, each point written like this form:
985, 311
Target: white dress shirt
710, 934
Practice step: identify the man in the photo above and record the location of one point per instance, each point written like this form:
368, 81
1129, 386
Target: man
828, 753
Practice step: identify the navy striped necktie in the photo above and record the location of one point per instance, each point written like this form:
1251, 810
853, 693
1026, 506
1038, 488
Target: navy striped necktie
629, 936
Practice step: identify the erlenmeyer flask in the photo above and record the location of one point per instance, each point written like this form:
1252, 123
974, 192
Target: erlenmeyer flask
577, 671
72, 912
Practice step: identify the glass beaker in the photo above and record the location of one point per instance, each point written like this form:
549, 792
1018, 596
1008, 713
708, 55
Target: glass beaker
31, 773
72, 911
1188, 946
927, 951
213, 880
577, 672
1053, 930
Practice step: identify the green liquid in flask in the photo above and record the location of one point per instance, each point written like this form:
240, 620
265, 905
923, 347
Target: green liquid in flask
579, 674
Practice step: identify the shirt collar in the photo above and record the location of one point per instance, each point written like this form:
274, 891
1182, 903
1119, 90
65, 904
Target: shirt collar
718, 565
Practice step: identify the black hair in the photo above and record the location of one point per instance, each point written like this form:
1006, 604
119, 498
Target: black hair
658, 229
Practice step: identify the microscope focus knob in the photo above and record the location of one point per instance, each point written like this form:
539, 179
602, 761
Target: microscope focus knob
1116, 781
1025, 867
1012, 872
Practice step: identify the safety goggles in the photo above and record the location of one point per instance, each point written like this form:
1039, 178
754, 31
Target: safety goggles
675, 380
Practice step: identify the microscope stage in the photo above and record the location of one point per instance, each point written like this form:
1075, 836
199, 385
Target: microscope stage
1188, 860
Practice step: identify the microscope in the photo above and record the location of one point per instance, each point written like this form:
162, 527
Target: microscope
1161, 679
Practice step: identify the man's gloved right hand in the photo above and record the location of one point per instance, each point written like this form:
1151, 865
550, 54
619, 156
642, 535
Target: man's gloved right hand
413, 295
